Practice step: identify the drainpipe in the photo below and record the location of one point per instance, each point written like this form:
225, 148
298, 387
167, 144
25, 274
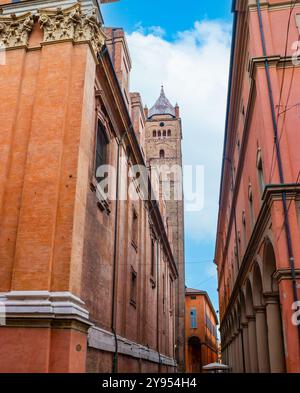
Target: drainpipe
157, 305
115, 257
113, 319
279, 159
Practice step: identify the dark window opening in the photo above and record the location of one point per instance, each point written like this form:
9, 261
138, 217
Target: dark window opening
101, 151
152, 258
162, 154
134, 229
133, 288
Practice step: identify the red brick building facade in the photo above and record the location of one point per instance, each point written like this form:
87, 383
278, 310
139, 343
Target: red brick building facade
258, 248
88, 284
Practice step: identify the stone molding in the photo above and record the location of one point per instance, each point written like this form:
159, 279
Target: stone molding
260, 309
286, 274
72, 24
105, 341
271, 297
58, 24
44, 304
15, 30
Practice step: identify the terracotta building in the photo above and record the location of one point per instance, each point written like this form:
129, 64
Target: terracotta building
163, 139
258, 249
88, 284
200, 331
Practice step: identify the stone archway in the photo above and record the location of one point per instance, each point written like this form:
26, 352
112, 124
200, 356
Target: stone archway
244, 323
194, 348
273, 311
251, 328
261, 321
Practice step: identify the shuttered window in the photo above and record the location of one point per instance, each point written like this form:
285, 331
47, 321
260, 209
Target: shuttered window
193, 315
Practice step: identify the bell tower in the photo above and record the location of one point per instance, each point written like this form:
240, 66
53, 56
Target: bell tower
163, 149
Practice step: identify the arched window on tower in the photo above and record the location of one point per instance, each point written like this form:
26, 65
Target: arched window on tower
161, 153
159, 134
169, 132
154, 134
165, 133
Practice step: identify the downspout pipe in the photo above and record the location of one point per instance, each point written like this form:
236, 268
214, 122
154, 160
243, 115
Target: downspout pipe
279, 159
157, 301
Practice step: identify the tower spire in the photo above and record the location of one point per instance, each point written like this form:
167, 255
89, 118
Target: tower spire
162, 106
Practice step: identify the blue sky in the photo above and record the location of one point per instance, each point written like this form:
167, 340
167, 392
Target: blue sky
185, 45
172, 15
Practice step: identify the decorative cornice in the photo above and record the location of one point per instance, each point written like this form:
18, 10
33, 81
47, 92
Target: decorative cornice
15, 30
44, 305
74, 25
285, 274
105, 341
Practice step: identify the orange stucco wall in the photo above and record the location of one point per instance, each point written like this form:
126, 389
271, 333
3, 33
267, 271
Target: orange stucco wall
207, 352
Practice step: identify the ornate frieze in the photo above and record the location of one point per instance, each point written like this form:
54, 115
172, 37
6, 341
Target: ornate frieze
15, 30
72, 24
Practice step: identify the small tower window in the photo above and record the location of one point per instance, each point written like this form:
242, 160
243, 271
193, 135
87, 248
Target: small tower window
154, 134
162, 154
159, 134
165, 133
169, 132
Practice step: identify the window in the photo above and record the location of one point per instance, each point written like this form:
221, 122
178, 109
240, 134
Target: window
260, 171
165, 133
171, 294
252, 216
164, 293
101, 150
152, 258
162, 154
154, 134
133, 287
193, 297
239, 146
169, 133
135, 228
193, 316
159, 134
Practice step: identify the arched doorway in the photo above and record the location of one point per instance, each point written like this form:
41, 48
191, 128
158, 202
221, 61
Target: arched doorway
273, 311
194, 348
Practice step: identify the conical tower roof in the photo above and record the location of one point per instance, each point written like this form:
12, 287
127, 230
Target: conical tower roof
162, 106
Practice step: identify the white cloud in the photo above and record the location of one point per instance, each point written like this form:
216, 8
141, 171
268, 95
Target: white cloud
194, 70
